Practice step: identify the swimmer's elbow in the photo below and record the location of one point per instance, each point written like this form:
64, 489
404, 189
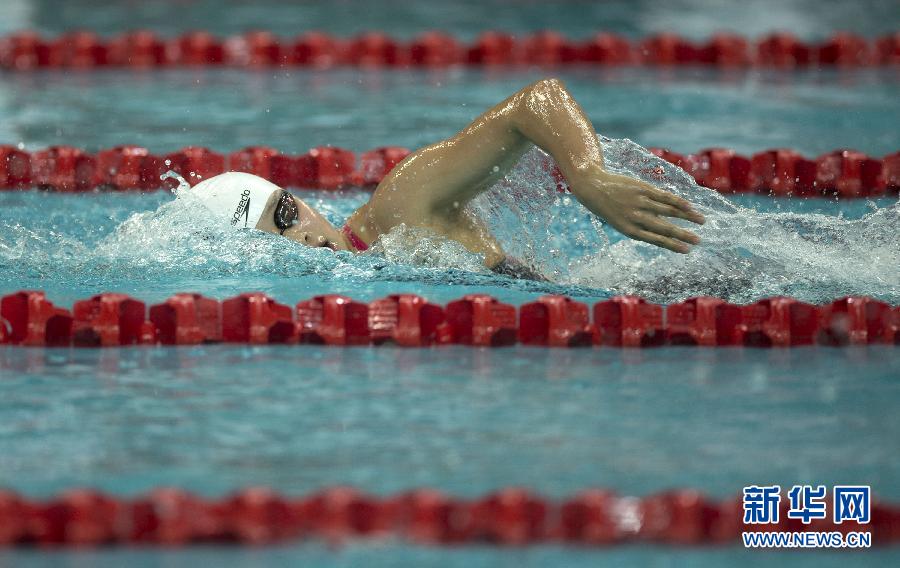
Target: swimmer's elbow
551, 84
550, 88
539, 96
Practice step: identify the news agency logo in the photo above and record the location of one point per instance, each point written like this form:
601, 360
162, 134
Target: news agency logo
762, 506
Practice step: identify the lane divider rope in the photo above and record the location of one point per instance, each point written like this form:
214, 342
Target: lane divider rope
775, 172
507, 517
27, 50
28, 318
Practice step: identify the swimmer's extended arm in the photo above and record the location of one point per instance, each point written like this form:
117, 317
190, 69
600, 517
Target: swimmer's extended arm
435, 182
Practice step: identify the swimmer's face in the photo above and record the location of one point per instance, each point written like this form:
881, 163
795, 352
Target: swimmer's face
309, 227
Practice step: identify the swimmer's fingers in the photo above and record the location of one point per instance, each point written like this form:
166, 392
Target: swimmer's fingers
661, 241
665, 210
680, 204
666, 229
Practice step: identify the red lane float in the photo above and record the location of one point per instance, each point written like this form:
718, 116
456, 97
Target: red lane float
256, 319
144, 49
195, 163
682, 518
628, 321
169, 517
720, 169
508, 517
195, 49
129, 167
607, 49
436, 49
783, 50
407, 320
845, 50
888, 49
333, 320
779, 172
110, 320
30, 319
590, 518
15, 168
375, 164
255, 49
265, 162
64, 168
725, 50
476, 320
511, 516
667, 49
493, 49
78, 50
138, 49
374, 49
778, 322
316, 49
325, 167
707, 322
858, 321
24, 51
555, 321
849, 173
482, 321
187, 319
549, 49
783, 173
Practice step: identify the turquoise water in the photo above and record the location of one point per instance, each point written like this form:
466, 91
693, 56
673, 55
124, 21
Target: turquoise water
813, 111
467, 421
808, 19
389, 555
213, 419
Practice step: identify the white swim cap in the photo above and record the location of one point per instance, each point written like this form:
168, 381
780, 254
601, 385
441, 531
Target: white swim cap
236, 198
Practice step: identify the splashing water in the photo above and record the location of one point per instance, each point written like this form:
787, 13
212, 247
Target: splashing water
745, 254
183, 185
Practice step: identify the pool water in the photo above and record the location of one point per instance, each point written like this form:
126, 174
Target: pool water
464, 420
214, 418
808, 19
467, 421
294, 109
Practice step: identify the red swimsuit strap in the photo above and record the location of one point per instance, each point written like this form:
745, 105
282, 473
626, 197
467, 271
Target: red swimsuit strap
355, 241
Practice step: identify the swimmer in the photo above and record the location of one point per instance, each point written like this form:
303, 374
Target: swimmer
432, 186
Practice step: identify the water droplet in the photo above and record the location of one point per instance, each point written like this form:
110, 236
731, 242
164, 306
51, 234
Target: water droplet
183, 184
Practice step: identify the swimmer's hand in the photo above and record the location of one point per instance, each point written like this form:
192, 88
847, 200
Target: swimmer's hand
636, 209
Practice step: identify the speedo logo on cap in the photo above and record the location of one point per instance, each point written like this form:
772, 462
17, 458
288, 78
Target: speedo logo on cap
243, 209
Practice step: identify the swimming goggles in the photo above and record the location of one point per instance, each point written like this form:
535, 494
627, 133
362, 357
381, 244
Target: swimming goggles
286, 212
